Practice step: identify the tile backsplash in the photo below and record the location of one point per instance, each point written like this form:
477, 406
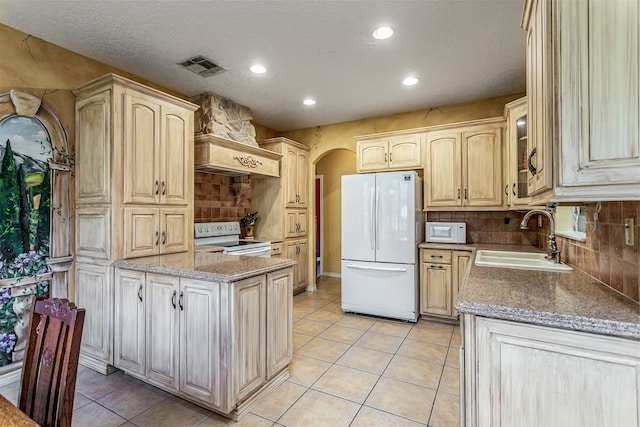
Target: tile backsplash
491, 227
215, 199
604, 255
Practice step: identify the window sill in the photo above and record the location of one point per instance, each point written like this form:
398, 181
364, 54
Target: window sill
573, 235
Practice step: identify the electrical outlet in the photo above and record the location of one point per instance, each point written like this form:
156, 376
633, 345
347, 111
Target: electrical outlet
628, 232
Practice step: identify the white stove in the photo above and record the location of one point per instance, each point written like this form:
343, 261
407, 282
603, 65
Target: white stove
227, 235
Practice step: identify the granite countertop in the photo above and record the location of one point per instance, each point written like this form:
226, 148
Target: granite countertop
212, 267
568, 300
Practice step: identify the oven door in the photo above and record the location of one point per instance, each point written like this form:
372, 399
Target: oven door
262, 252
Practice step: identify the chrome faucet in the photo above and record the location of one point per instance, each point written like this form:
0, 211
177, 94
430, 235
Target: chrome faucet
553, 254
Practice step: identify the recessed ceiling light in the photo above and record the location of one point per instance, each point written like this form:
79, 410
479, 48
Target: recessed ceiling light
258, 69
410, 81
383, 33
309, 101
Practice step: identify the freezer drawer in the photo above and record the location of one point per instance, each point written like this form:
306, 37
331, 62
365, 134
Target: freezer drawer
380, 289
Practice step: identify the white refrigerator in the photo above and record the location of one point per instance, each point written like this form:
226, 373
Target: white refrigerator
382, 225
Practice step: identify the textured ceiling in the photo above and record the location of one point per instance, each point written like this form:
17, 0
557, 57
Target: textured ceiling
461, 50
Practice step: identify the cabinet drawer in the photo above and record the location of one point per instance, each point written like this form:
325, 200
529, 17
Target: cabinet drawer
437, 256
276, 249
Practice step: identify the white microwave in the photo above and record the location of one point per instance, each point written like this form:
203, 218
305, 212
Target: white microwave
446, 232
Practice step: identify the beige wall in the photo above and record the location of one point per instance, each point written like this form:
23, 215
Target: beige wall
332, 166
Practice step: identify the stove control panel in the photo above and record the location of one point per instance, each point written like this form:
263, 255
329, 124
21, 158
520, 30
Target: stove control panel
212, 229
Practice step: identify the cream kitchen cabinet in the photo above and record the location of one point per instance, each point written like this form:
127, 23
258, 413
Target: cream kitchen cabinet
515, 155
441, 273
383, 152
463, 166
156, 157
298, 250
152, 231
133, 154
130, 315
217, 344
583, 74
571, 378
283, 207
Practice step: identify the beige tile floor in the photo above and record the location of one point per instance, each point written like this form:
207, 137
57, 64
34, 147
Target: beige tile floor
347, 370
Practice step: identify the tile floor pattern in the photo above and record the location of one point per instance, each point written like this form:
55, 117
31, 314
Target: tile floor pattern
347, 370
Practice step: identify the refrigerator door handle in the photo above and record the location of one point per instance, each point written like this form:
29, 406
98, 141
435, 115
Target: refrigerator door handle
362, 267
377, 224
372, 221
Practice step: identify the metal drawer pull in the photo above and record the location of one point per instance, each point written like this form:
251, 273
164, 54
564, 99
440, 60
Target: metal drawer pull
436, 256
173, 299
438, 267
180, 301
140, 292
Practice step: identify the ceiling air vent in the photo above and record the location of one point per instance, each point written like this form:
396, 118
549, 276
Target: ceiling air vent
201, 66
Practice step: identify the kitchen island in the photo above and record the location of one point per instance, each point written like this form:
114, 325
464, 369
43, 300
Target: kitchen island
546, 348
211, 328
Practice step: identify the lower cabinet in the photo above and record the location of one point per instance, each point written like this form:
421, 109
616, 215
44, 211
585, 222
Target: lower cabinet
441, 274
177, 334
298, 250
521, 374
93, 292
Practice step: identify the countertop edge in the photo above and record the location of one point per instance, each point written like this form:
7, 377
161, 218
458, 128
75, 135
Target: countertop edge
201, 275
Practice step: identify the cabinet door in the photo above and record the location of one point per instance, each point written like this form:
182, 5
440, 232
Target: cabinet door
93, 149
94, 293
436, 289
290, 175
404, 152
141, 232
176, 230
515, 149
556, 366
599, 94
296, 223
129, 321
303, 264
176, 158
442, 186
539, 98
372, 155
249, 335
482, 167
199, 337
460, 261
302, 169
162, 329
279, 320
141, 151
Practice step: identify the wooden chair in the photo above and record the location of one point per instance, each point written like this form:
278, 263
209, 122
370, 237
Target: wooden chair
50, 364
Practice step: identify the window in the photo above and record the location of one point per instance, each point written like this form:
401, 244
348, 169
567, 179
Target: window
571, 222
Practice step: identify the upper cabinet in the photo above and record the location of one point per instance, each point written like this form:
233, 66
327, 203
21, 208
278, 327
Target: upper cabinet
463, 166
296, 165
583, 74
383, 152
515, 154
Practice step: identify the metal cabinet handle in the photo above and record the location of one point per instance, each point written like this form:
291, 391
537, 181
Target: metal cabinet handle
157, 238
458, 194
514, 189
437, 267
436, 256
390, 156
164, 237
180, 301
506, 190
465, 194
173, 299
164, 188
157, 188
385, 157
140, 292
532, 168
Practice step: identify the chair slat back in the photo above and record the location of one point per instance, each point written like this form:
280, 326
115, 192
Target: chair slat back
51, 361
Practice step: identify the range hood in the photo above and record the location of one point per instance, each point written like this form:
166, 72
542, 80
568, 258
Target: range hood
222, 156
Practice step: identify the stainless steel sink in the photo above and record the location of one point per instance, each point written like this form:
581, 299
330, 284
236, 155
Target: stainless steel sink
518, 260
